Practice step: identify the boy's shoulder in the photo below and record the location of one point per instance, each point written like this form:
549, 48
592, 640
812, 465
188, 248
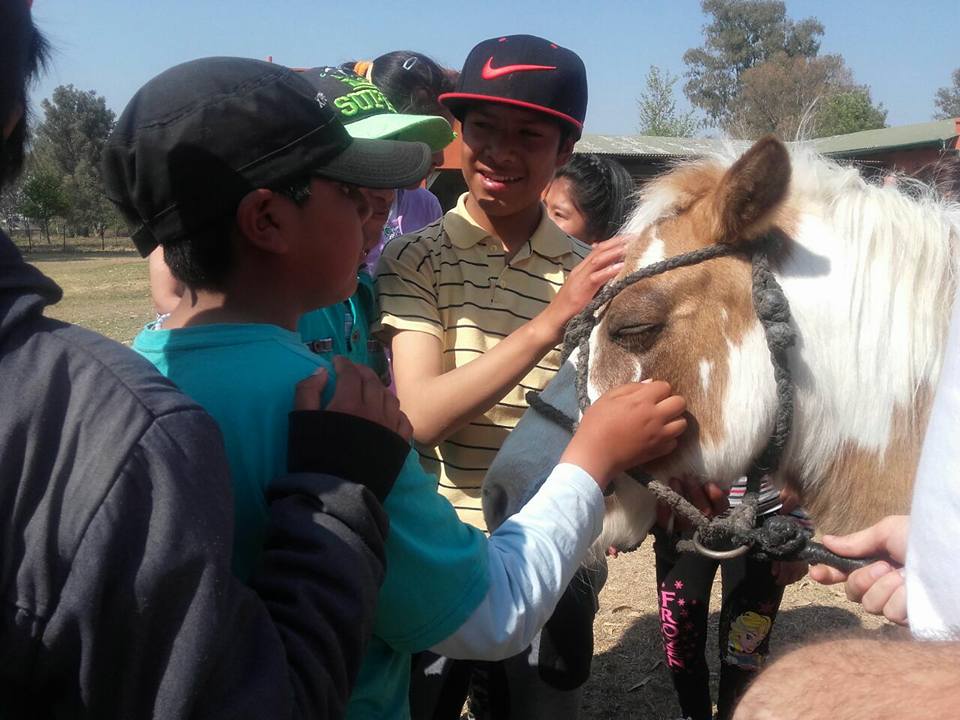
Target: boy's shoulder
227, 348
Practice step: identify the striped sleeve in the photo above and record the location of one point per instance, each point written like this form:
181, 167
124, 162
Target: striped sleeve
406, 288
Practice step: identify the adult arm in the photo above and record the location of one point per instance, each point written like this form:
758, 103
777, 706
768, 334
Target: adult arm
854, 679
165, 630
440, 402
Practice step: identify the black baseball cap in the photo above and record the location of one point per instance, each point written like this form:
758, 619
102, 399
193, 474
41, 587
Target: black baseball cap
198, 137
524, 71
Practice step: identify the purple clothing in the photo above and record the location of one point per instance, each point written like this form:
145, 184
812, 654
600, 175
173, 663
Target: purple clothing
411, 210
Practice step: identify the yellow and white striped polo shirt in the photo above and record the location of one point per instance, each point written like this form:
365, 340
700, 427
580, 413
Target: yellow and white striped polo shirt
451, 280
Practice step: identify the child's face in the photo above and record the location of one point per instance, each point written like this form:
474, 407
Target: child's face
380, 202
563, 210
509, 156
330, 240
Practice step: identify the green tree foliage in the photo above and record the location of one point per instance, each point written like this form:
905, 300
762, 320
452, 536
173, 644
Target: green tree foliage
43, 197
70, 142
658, 108
947, 99
849, 111
802, 97
741, 35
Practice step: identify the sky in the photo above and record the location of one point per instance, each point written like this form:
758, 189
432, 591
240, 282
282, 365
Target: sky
903, 50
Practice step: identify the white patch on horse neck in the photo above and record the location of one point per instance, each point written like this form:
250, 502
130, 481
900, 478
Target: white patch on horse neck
706, 370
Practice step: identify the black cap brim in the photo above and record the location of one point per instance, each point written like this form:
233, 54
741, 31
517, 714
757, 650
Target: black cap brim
379, 164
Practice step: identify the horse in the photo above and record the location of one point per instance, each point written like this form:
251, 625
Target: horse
869, 273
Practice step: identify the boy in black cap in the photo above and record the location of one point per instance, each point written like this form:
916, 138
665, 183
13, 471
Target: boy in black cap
248, 180
474, 306
116, 520
243, 132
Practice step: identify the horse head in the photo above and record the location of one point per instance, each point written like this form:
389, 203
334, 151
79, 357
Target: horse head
868, 272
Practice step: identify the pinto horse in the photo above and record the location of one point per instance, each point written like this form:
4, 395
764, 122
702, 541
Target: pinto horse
869, 273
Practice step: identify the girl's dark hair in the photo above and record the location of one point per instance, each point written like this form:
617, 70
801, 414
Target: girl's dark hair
23, 52
410, 80
602, 189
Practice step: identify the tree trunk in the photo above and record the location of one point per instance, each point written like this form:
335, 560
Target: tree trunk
29, 236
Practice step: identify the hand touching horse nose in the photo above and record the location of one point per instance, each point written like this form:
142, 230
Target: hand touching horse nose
628, 426
603, 264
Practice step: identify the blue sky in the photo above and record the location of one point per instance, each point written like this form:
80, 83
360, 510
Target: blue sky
903, 50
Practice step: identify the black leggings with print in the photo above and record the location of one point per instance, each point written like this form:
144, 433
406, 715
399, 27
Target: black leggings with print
751, 599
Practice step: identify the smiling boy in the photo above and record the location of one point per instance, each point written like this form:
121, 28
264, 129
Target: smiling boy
474, 306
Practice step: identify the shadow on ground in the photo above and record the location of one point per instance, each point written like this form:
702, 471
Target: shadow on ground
630, 680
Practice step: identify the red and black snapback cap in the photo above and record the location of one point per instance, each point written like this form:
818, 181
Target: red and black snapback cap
525, 71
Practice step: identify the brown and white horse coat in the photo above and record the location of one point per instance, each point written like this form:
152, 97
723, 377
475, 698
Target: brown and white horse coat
869, 274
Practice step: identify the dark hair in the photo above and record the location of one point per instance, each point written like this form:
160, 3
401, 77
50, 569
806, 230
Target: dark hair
23, 52
943, 175
602, 189
411, 81
203, 258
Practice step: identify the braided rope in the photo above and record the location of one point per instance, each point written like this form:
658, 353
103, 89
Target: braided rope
773, 313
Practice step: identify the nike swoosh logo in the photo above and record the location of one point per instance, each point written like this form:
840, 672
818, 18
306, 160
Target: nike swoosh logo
489, 72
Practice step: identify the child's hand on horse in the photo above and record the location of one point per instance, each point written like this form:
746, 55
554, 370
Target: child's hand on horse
628, 426
603, 264
359, 392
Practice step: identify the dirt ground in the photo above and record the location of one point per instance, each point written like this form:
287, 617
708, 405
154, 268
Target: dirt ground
108, 292
629, 679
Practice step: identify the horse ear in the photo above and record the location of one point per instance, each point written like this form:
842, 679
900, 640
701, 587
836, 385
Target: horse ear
746, 200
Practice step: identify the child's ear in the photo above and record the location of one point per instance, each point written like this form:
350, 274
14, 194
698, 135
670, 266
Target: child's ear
261, 219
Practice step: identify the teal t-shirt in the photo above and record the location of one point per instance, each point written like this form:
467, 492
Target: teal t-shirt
244, 376
344, 329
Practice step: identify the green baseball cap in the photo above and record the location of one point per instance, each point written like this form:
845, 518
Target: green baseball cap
367, 113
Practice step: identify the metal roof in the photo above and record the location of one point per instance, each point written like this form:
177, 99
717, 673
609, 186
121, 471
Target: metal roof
646, 145
941, 133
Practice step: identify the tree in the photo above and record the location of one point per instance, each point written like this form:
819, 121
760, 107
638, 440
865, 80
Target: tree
70, 142
43, 198
780, 96
658, 108
75, 126
849, 111
947, 99
742, 34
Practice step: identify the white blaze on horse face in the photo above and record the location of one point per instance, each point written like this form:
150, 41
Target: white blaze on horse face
749, 405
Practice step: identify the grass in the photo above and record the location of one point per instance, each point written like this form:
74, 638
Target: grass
107, 291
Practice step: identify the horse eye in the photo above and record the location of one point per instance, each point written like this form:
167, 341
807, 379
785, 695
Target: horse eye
636, 337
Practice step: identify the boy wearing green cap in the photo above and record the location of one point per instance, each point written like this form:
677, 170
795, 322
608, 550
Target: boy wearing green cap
344, 328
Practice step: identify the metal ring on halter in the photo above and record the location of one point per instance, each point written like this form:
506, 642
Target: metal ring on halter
718, 554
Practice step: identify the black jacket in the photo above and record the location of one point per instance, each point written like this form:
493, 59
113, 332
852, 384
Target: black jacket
115, 539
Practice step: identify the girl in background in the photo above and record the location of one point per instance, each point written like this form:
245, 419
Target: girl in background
590, 197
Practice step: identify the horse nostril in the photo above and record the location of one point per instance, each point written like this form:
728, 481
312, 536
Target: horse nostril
495, 502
